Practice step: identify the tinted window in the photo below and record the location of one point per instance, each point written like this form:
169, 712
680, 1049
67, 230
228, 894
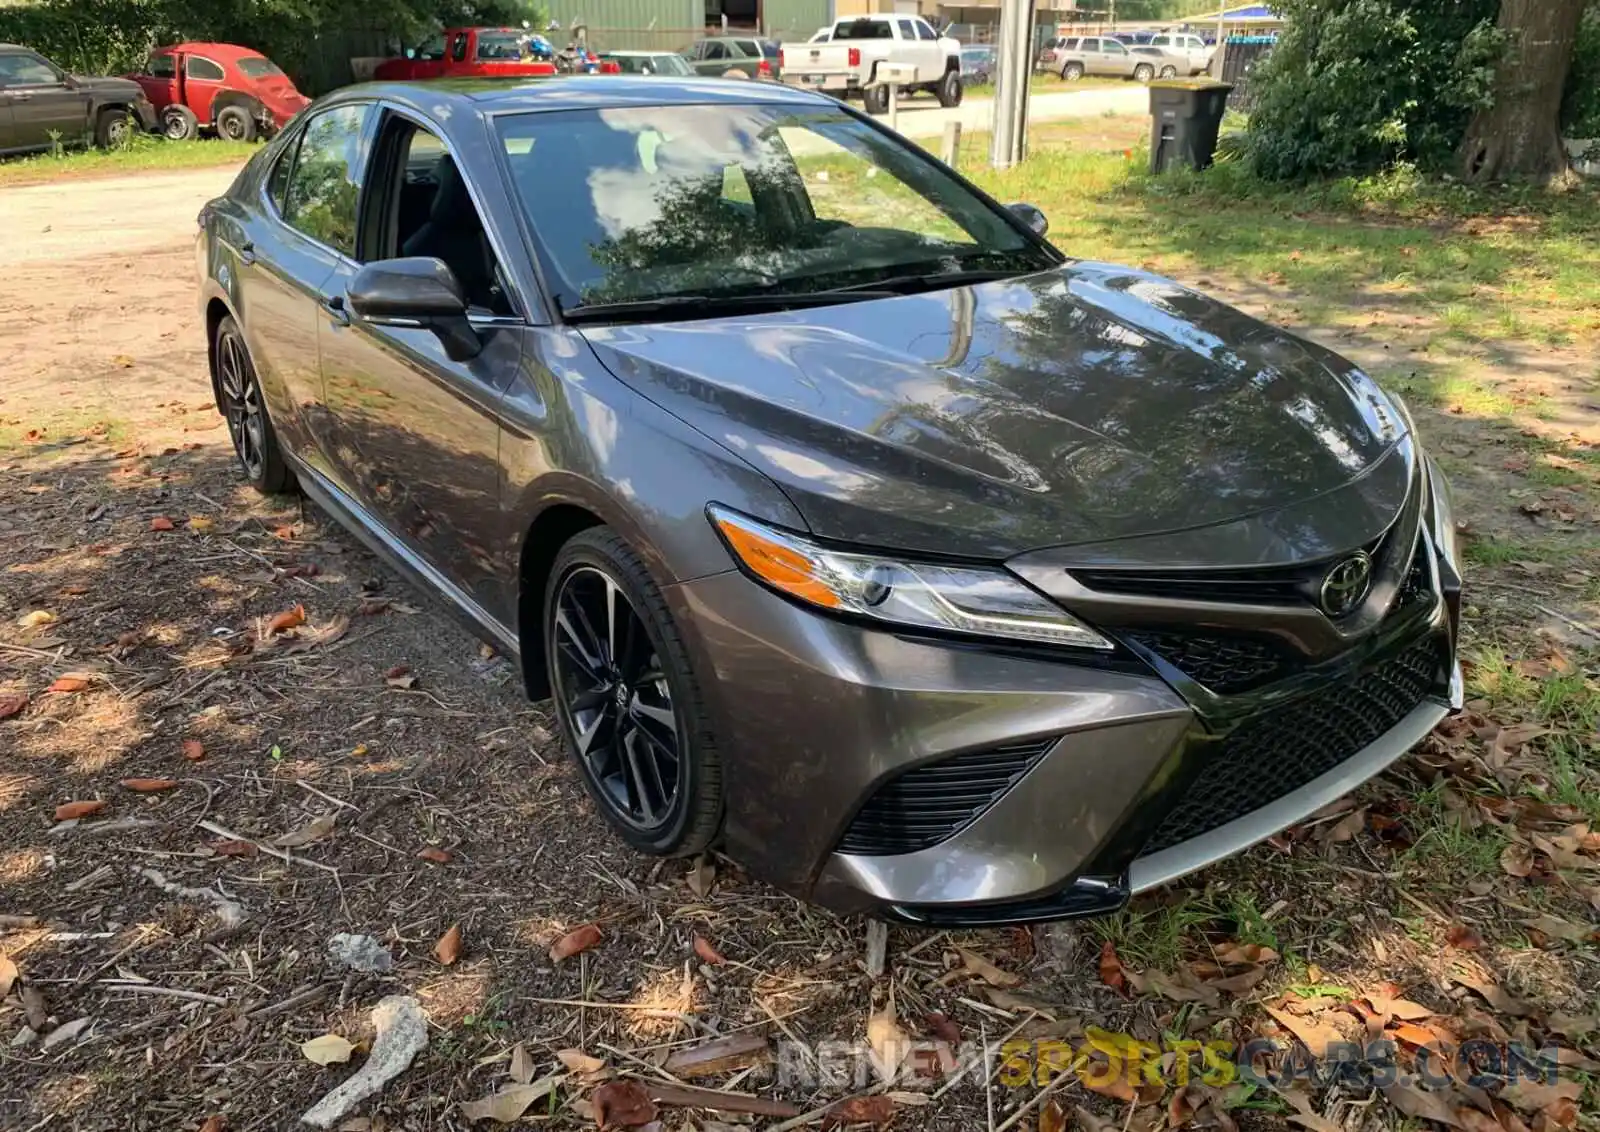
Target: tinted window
1071, 44
499, 45
26, 70
1112, 47
639, 202
458, 48
1161, 41
906, 30
1090, 44
924, 31
769, 48
864, 29
716, 51
161, 67
431, 49
198, 68
326, 182
255, 67
278, 182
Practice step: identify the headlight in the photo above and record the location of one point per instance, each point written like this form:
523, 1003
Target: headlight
918, 595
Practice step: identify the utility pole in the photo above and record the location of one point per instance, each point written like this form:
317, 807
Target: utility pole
1008, 141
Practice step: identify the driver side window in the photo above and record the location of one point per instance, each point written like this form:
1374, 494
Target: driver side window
26, 70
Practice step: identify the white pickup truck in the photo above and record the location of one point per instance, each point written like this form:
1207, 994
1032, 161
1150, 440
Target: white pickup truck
845, 63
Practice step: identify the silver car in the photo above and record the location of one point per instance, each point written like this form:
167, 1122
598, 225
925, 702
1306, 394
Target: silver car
1076, 56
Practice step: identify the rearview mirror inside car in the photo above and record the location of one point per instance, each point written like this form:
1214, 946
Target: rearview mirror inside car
416, 291
1031, 216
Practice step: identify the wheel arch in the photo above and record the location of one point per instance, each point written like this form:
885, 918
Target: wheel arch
215, 311
549, 531
231, 96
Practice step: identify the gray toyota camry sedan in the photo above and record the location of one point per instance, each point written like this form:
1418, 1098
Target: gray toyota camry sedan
847, 523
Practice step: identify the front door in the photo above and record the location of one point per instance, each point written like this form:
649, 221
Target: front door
419, 432
45, 107
202, 81
159, 79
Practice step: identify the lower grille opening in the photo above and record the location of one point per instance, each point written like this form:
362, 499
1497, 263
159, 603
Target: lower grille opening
1282, 749
934, 802
1224, 663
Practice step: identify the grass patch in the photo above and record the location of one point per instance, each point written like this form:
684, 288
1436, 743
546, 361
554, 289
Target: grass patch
143, 153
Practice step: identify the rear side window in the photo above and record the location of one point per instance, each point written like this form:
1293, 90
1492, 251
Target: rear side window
325, 186
716, 51
161, 67
924, 31
1161, 41
197, 68
906, 30
278, 182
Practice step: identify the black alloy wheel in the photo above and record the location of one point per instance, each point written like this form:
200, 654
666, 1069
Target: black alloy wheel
626, 700
239, 397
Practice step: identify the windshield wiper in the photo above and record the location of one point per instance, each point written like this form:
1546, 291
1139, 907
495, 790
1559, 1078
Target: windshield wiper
717, 304
901, 284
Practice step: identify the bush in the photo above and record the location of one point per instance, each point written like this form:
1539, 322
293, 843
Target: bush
1580, 113
1355, 85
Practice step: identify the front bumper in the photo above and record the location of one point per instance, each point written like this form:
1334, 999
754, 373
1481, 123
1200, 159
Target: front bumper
946, 783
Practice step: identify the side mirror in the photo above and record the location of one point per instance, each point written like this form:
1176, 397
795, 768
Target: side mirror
419, 292
1031, 216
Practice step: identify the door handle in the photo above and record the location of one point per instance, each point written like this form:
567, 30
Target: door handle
247, 253
334, 306
21, 97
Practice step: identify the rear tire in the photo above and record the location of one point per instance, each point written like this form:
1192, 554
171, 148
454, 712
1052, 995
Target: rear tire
1143, 73
113, 128
178, 123
1072, 72
875, 99
244, 409
1169, 72
948, 92
236, 123
631, 700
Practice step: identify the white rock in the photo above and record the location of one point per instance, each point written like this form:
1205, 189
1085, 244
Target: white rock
359, 953
65, 1033
402, 1034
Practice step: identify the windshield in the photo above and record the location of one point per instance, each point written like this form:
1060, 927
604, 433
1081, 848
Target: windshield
644, 203
255, 67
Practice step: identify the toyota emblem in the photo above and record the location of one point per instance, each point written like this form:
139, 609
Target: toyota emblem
1345, 585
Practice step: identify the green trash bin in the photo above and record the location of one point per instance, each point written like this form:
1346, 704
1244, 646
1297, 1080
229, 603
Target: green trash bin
1185, 117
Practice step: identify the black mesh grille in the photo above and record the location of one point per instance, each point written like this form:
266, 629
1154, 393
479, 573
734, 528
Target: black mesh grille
1281, 750
1416, 588
1272, 587
1224, 664
934, 802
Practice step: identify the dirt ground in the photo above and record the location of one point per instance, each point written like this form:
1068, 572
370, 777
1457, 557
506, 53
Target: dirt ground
417, 797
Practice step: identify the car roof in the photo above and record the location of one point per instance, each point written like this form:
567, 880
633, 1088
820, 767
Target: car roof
638, 51
580, 92
216, 50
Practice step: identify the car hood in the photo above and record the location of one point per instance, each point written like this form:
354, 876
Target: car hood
101, 84
1084, 404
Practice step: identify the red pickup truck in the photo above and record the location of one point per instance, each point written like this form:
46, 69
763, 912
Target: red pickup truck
461, 52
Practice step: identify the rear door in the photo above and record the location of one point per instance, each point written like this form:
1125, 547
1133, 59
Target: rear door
45, 108
1115, 58
159, 79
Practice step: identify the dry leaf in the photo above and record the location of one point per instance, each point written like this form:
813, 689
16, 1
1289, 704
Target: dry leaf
1089, 1122
1306, 1115
579, 1062
1052, 1118
400, 676
1239, 983
578, 939
622, 1104
161, 523
876, 1110
288, 619
71, 682
941, 1027
34, 1007
1424, 1104
330, 1049
1463, 938
508, 1104
448, 949
1314, 1035
890, 1044
707, 953
1559, 929
8, 974
34, 618
1347, 827
12, 705
148, 785
1111, 969
1516, 859
1496, 997
702, 877
436, 855
1402, 1008
720, 1055
193, 750
1245, 953
214, 1123
71, 810
231, 848
987, 971
1532, 1096
521, 1069
314, 830
1174, 990
201, 523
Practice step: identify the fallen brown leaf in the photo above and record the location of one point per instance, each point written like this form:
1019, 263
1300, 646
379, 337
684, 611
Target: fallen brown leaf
288, 619
1402, 1008
521, 1068
1315, 1036
1557, 1102
435, 854
720, 1055
148, 785
1516, 859
1089, 1122
1424, 1104
941, 1027
193, 750
232, 848
1111, 973
701, 877
876, 1110
1463, 938
506, 1106
1052, 1118
1347, 827
1305, 1113
71, 682
706, 952
578, 939
329, 1049
622, 1104
34, 1007
214, 1123
12, 705
1173, 989
576, 1061
400, 676
1240, 982
448, 949
314, 830
1491, 993
889, 1043
1245, 953
987, 971
8, 974
70, 810
161, 523
1557, 928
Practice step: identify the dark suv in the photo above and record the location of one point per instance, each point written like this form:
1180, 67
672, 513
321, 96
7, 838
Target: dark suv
41, 105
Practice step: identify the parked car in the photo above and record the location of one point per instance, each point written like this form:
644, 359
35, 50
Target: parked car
848, 524
647, 62
846, 65
977, 65
1168, 65
233, 90
480, 52
41, 105
752, 57
1188, 45
1076, 56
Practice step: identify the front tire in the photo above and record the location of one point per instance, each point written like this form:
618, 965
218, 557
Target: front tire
178, 123
235, 123
1169, 72
1143, 73
113, 129
627, 701
255, 442
875, 99
948, 92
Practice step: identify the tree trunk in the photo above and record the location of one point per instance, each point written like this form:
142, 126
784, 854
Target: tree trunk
1520, 135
